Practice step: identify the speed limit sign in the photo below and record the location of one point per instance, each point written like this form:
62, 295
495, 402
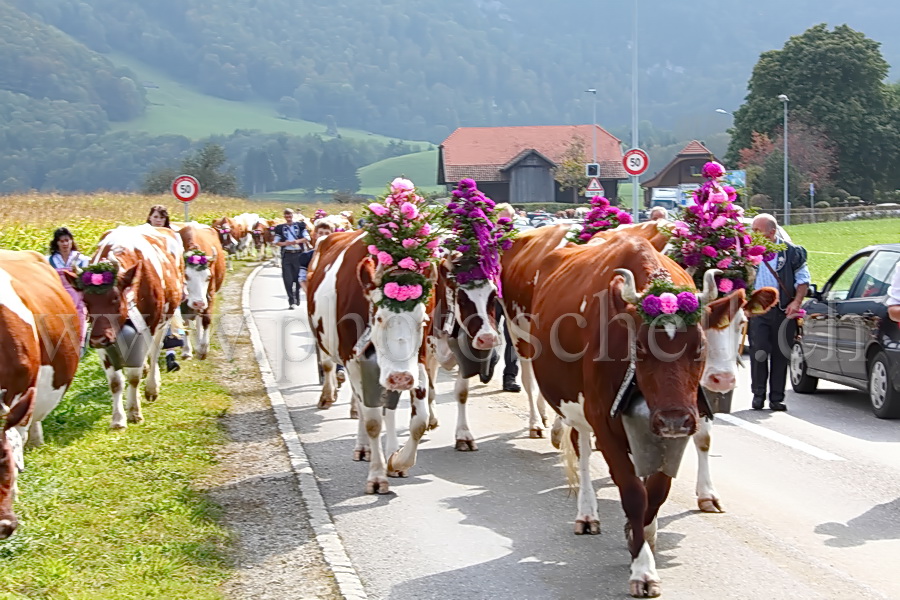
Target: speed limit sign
635, 161
185, 188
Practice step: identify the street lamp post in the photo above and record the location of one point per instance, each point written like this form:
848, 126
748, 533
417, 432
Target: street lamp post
594, 121
787, 214
635, 187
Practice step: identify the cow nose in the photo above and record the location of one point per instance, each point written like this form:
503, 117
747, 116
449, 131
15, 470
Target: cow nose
101, 342
720, 382
198, 305
486, 341
400, 381
674, 423
7, 527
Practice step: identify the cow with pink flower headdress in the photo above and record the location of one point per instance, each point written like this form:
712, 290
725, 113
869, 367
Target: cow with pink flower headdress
368, 300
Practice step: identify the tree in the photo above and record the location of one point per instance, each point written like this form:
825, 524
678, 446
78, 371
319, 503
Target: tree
205, 165
835, 83
811, 154
569, 173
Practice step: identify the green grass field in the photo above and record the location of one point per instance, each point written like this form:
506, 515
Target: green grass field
177, 108
830, 244
420, 168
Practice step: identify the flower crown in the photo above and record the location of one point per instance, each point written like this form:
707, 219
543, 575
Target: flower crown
98, 278
479, 240
403, 243
196, 259
664, 302
601, 217
319, 214
712, 235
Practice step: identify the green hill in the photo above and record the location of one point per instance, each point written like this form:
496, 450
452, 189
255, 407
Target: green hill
420, 168
178, 108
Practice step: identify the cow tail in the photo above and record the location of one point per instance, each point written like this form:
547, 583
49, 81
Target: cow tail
570, 458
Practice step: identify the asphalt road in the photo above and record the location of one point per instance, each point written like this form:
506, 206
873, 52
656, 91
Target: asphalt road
812, 497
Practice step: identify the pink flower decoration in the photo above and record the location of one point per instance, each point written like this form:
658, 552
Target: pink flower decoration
709, 251
400, 185
726, 285
386, 232
755, 260
724, 263
97, 278
385, 259
378, 209
433, 244
718, 197
424, 265
408, 210
712, 170
402, 293
393, 226
719, 222
424, 230
390, 289
668, 303
415, 291
681, 229
408, 263
410, 243
373, 249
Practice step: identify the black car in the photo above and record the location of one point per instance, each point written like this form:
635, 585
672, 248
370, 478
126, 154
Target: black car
847, 336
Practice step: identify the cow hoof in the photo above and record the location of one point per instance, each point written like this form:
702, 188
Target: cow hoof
354, 412
466, 445
201, 355
362, 454
536, 433
587, 526
325, 403
398, 474
114, 425
150, 397
710, 505
377, 487
135, 418
341, 377
432, 423
644, 589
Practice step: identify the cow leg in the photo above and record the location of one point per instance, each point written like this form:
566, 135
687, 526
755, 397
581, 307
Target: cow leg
391, 443
151, 386
190, 329
431, 370
116, 387
537, 411
203, 329
577, 446
363, 449
377, 482
707, 497
465, 442
644, 581
329, 385
132, 402
403, 460
556, 432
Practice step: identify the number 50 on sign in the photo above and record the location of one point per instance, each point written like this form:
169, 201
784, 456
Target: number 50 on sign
185, 188
635, 161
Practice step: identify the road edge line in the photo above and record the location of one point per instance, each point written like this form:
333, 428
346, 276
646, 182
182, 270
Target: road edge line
779, 438
348, 581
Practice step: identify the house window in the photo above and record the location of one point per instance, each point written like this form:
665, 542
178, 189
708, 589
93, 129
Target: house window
695, 171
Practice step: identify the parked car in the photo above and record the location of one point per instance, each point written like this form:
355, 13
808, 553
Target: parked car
847, 336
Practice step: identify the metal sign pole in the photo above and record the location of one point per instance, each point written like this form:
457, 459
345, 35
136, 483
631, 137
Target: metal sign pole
187, 212
634, 111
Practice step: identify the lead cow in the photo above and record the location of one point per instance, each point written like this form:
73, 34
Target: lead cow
610, 373
131, 308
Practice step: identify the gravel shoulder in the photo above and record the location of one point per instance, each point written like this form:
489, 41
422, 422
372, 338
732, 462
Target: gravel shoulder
274, 549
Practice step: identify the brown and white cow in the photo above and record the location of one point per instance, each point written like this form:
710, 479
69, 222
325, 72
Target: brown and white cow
585, 343
129, 320
262, 238
234, 234
378, 347
201, 284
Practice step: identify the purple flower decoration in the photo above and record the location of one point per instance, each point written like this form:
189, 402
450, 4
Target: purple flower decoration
768, 256
739, 284
687, 302
651, 305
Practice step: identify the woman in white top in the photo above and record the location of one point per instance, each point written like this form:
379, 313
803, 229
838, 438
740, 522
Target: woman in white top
64, 256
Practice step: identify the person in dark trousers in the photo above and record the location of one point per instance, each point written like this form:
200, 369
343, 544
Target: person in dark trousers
293, 238
772, 334
159, 217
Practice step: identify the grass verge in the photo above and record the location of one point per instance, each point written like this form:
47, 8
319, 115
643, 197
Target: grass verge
114, 514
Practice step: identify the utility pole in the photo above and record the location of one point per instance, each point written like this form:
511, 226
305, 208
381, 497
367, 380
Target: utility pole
635, 187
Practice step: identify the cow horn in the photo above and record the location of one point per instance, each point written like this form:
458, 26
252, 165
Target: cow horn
629, 290
710, 289
379, 273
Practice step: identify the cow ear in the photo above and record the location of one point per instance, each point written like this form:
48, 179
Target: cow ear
366, 274
72, 278
130, 275
720, 312
20, 412
761, 301
432, 274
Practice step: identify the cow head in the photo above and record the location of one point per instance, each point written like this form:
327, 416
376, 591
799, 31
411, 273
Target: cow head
11, 456
197, 274
474, 307
108, 307
668, 358
724, 324
223, 227
395, 336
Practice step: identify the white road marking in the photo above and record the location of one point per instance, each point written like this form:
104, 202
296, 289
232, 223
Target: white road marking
779, 437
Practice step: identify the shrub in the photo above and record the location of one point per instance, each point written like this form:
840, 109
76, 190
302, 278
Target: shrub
823, 204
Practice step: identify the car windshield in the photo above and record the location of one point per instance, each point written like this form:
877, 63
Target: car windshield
840, 289
877, 277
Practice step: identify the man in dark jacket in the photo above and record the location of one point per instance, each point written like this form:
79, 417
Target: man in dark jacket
772, 334
293, 238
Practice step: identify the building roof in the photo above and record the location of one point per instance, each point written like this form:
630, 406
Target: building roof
695, 147
482, 152
693, 150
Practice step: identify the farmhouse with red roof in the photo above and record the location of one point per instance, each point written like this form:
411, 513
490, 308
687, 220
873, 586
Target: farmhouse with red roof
515, 164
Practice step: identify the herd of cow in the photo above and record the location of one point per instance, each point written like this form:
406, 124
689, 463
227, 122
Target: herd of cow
638, 392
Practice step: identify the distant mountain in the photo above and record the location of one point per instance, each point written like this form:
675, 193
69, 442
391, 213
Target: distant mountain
420, 68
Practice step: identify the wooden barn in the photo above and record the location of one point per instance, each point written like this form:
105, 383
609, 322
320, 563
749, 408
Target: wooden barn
515, 164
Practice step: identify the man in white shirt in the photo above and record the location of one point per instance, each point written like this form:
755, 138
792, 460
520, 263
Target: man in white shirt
293, 238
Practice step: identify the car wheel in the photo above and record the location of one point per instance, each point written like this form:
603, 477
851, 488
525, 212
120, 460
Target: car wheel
882, 395
800, 381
